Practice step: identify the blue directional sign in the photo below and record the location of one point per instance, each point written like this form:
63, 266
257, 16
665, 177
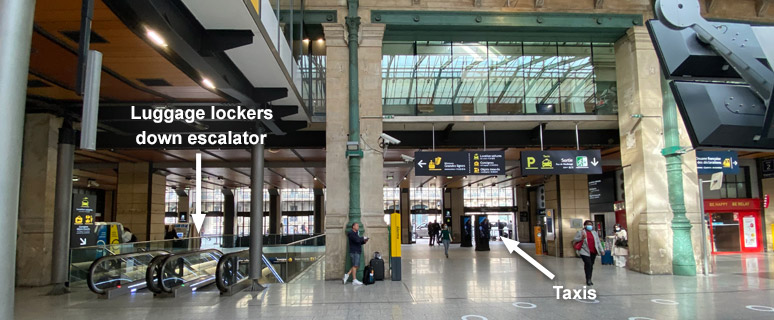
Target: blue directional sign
709, 162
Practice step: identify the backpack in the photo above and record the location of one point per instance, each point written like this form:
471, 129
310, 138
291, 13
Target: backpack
368, 275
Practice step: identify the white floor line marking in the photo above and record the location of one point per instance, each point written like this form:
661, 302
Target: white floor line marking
524, 305
467, 317
760, 308
587, 301
665, 301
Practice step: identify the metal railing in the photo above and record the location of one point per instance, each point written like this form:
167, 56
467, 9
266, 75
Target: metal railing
120, 274
189, 270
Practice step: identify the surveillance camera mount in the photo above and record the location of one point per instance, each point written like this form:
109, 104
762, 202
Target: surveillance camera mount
681, 14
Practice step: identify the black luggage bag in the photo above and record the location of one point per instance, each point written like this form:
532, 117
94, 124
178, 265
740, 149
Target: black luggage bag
378, 266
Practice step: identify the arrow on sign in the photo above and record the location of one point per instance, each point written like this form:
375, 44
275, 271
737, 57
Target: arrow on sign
198, 216
594, 162
421, 163
514, 246
83, 241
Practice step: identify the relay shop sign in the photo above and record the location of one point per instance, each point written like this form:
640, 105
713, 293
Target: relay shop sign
561, 162
82, 231
465, 163
709, 162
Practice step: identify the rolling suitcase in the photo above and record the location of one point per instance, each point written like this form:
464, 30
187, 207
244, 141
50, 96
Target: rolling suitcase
607, 258
377, 265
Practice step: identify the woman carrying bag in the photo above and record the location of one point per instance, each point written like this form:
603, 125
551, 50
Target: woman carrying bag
587, 243
621, 248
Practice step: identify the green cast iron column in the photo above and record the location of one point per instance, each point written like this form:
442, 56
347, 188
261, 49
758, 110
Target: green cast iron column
353, 24
683, 262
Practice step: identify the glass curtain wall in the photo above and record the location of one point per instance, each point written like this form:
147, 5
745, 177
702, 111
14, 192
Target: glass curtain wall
312, 65
498, 78
391, 202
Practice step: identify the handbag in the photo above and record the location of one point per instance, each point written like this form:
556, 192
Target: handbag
622, 243
578, 245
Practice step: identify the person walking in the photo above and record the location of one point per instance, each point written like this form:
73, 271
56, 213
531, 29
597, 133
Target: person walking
355, 251
621, 246
446, 238
431, 232
587, 243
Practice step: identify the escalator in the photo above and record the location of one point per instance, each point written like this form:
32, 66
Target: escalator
182, 273
120, 274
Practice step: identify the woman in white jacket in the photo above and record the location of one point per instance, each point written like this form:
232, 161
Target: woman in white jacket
621, 247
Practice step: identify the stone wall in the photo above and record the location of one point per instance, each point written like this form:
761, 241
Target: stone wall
574, 192
133, 196
36, 200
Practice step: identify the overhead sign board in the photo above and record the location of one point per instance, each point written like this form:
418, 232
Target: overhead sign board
490, 163
708, 162
561, 162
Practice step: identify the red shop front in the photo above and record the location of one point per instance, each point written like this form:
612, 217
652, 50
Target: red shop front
735, 225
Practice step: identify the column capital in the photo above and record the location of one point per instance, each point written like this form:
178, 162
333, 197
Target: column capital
639, 37
335, 34
371, 34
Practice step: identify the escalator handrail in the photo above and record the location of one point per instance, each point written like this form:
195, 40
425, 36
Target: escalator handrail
93, 266
172, 257
219, 281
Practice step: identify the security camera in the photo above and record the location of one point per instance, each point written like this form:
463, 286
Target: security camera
388, 139
407, 158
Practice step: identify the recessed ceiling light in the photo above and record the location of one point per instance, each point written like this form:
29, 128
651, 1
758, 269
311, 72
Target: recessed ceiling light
156, 38
448, 177
207, 83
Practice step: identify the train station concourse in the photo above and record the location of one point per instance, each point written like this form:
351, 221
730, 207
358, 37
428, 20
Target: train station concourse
393, 159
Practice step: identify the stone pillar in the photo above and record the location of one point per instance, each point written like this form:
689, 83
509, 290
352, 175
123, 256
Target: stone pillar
551, 187
458, 210
140, 200
229, 218
275, 212
521, 205
319, 211
36, 200
573, 204
337, 124
648, 214
372, 164
405, 216
337, 129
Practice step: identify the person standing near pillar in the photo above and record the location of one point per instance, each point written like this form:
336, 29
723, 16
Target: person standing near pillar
356, 243
621, 247
590, 247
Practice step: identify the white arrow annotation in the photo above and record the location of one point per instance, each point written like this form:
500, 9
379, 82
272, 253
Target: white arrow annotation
421, 163
594, 162
514, 246
198, 216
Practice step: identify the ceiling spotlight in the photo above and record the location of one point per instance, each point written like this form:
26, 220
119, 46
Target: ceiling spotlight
404, 178
156, 38
465, 177
207, 83
92, 183
435, 177
315, 178
76, 178
321, 40
283, 178
306, 40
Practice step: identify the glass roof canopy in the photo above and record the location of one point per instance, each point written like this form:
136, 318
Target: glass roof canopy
442, 78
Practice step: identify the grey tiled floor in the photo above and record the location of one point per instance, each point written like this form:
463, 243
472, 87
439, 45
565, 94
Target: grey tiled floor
469, 285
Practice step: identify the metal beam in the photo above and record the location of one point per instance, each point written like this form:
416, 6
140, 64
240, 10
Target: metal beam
503, 26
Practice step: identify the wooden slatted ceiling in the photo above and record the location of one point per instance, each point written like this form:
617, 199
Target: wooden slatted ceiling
124, 53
